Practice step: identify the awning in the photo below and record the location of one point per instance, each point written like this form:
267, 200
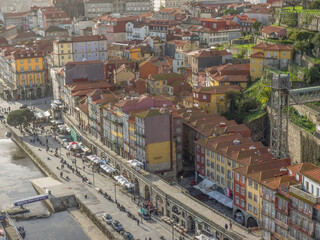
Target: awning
123, 181
107, 168
205, 186
94, 158
135, 163
221, 198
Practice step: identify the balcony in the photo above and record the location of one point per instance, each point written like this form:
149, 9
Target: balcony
300, 228
297, 190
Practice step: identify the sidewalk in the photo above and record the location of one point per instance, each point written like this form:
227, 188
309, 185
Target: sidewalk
153, 228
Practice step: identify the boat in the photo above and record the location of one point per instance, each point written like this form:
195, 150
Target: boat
22, 232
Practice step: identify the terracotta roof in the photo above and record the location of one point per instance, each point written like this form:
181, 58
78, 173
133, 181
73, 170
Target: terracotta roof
218, 89
77, 86
84, 107
267, 46
257, 55
313, 174
14, 14
210, 53
300, 168
271, 29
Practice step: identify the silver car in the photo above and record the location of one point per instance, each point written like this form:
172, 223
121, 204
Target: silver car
107, 218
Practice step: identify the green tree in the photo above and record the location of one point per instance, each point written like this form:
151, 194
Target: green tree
316, 42
230, 11
304, 36
312, 76
292, 3
257, 26
20, 117
315, 4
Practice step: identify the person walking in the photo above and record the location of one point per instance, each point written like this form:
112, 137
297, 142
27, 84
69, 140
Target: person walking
138, 222
226, 226
230, 225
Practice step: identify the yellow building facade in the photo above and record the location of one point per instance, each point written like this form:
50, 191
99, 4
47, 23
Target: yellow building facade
213, 99
254, 201
275, 55
63, 53
28, 73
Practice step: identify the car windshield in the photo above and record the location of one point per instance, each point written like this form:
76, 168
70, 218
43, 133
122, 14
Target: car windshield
107, 216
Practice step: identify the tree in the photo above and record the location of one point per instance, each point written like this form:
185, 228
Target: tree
20, 117
292, 3
257, 26
316, 42
304, 36
230, 11
312, 76
315, 4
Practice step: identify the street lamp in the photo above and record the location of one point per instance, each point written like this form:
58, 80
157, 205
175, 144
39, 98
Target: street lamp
115, 192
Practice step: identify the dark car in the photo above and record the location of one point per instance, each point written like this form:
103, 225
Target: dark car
23, 106
1, 117
117, 226
128, 236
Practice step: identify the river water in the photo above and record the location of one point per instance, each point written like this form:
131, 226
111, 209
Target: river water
16, 168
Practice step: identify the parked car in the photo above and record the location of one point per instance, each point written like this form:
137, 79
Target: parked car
128, 236
107, 218
23, 106
144, 213
117, 226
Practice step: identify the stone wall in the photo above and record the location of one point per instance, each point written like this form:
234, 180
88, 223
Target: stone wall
310, 113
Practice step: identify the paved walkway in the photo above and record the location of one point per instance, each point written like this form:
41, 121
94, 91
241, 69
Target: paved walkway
154, 228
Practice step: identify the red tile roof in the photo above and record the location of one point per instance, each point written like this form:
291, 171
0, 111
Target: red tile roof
271, 29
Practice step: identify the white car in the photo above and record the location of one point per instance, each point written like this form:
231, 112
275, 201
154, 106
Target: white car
107, 218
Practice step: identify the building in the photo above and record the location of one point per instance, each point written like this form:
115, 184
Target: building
24, 70
74, 49
290, 204
54, 18
83, 71
248, 186
199, 124
157, 83
97, 8
273, 32
137, 30
228, 74
73, 8
262, 13
265, 54
112, 27
53, 32
213, 99
80, 26
146, 68
202, 59
114, 64
123, 75
160, 27
14, 18
129, 130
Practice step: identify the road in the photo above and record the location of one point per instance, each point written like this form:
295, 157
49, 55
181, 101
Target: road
154, 228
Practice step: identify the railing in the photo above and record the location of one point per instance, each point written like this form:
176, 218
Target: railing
297, 190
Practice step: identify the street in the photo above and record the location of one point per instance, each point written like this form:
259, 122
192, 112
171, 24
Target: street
153, 228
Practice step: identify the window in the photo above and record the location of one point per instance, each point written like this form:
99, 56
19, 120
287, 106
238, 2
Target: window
204, 96
256, 186
222, 159
218, 167
202, 160
202, 150
218, 157
284, 53
29, 68
212, 165
21, 61
212, 154
237, 200
255, 198
242, 179
237, 188
229, 162
242, 191
252, 61
237, 176
252, 69
21, 69
250, 182
222, 169
208, 153
37, 67
249, 207
255, 210
242, 203
250, 195
198, 158
208, 163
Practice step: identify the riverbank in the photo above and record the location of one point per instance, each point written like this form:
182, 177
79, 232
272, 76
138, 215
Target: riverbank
92, 231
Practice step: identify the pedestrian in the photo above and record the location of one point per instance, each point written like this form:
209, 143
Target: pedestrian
61, 174
84, 168
226, 226
230, 225
138, 222
134, 199
72, 170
